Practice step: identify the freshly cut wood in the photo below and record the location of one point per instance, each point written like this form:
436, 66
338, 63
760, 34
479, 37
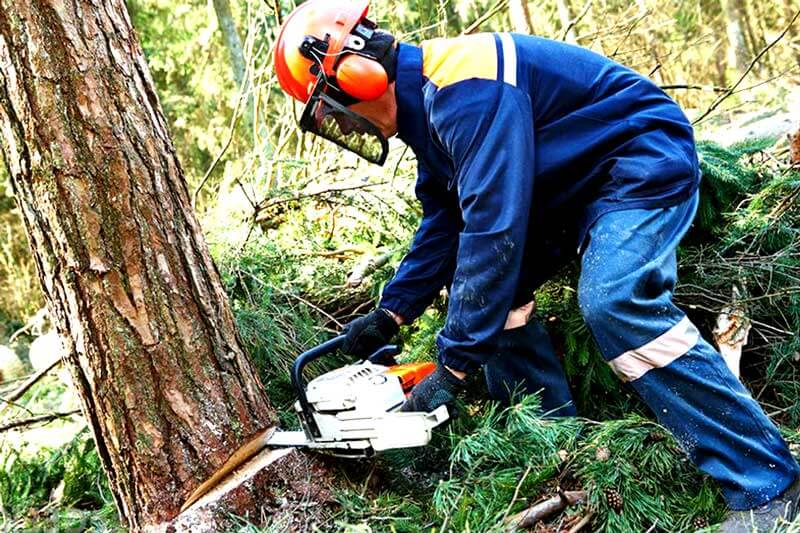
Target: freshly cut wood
731, 332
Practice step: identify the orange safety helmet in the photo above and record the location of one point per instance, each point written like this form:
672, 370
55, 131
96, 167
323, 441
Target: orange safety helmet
330, 22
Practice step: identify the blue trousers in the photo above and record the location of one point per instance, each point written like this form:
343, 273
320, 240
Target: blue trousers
628, 274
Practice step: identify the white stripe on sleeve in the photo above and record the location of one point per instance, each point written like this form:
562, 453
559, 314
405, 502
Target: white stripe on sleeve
509, 59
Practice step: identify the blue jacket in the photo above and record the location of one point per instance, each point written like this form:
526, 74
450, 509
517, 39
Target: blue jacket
521, 143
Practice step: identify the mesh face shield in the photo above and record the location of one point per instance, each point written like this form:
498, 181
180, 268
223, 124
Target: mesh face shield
329, 119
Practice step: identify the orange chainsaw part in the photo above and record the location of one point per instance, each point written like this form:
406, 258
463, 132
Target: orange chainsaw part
411, 373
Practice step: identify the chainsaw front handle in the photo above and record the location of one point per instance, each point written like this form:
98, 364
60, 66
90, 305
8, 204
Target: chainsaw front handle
382, 356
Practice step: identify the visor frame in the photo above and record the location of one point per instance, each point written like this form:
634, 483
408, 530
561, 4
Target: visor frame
308, 121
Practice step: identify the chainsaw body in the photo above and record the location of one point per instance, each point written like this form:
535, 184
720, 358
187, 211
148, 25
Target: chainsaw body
353, 411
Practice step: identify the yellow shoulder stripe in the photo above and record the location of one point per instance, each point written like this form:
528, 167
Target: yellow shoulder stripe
448, 61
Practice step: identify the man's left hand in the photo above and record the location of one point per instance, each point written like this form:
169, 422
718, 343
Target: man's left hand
439, 388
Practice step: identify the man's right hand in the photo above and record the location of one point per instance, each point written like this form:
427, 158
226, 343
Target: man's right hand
365, 335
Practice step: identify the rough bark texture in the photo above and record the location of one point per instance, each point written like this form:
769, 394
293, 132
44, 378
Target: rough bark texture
150, 339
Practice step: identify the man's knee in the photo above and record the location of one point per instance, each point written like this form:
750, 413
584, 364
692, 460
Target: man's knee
597, 305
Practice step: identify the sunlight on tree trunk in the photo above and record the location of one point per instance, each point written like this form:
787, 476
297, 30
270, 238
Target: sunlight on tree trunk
150, 339
233, 43
520, 16
565, 15
738, 55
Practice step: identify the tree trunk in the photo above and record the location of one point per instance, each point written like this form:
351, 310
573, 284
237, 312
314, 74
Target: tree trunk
236, 52
520, 16
565, 15
738, 55
150, 339
788, 13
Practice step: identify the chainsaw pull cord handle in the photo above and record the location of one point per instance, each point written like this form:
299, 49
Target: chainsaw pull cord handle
383, 356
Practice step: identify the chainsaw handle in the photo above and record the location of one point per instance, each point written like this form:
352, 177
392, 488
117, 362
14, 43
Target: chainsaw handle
384, 356
326, 348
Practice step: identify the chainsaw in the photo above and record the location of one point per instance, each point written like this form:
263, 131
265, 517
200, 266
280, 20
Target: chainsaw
352, 411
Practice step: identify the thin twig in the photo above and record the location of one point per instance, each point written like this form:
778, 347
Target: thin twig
41, 419
580, 525
749, 68
574, 22
516, 492
496, 8
695, 87
22, 389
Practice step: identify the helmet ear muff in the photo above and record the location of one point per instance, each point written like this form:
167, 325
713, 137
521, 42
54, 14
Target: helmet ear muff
361, 78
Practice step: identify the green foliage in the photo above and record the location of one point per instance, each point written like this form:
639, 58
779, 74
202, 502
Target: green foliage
29, 481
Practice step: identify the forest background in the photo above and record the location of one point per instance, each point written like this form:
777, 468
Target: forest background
305, 236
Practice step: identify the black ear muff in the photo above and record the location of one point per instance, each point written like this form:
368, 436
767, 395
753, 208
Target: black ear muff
361, 77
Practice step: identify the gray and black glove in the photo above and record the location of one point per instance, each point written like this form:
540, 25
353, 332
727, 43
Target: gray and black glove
439, 388
365, 335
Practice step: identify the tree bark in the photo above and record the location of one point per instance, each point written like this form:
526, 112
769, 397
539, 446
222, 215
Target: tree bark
149, 337
233, 43
738, 55
520, 16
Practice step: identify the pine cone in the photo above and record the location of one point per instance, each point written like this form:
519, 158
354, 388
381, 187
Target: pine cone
700, 522
613, 498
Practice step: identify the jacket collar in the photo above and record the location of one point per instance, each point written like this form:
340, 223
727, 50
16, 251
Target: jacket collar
412, 124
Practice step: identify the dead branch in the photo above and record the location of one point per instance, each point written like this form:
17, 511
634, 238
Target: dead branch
31, 381
545, 509
499, 6
694, 87
367, 267
714, 105
582, 523
335, 254
35, 321
40, 419
575, 21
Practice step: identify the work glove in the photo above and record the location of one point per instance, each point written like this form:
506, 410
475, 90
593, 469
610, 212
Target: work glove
440, 388
365, 335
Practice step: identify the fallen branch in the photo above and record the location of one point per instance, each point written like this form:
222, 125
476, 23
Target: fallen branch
545, 509
22, 389
582, 523
367, 267
36, 321
41, 419
753, 63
